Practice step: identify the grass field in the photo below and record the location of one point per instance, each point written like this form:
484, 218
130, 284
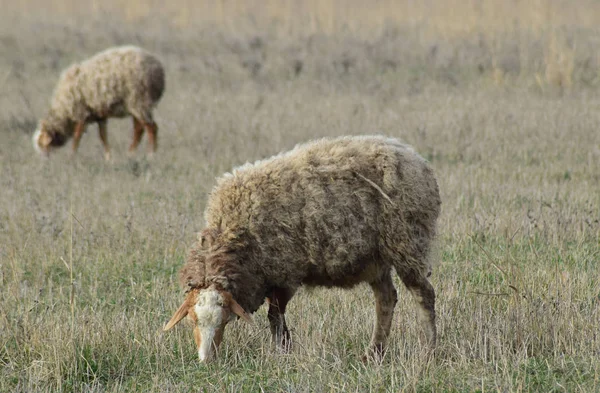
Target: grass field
501, 97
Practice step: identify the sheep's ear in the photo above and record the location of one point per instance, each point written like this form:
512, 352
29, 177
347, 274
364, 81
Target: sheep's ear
177, 317
239, 311
203, 241
182, 311
206, 238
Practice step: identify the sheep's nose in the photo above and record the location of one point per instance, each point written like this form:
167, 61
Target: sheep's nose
205, 358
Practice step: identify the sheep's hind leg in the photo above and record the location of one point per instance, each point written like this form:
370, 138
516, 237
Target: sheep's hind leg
138, 131
278, 300
104, 138
152, 136
386, 298
424, 295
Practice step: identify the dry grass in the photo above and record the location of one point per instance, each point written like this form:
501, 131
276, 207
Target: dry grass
505, 109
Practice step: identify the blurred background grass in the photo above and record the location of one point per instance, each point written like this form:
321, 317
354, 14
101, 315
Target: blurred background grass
305, 17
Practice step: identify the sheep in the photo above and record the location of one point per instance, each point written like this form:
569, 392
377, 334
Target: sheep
333, 213
117, 82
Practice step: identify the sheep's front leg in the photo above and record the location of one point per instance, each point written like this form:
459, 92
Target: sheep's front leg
104, 138
278, 300
79, 129
386, 298
424, 295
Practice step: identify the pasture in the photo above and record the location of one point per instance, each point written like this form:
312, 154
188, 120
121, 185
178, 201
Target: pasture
501, 97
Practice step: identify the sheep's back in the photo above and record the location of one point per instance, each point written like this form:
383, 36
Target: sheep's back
326, 208
114, 79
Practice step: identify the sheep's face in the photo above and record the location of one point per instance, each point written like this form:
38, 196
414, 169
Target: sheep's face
45, 140
210, 315
210, 310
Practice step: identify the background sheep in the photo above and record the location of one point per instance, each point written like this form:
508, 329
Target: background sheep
333, 212
118, 82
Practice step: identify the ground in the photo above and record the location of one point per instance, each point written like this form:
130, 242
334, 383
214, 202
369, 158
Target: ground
502, 102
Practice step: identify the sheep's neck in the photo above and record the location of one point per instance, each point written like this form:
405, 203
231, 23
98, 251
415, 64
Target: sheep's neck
60, 124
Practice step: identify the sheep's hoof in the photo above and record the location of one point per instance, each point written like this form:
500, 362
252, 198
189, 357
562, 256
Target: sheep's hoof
107, 156
428, 340
371, 359
375, 354
428, 352
283, 344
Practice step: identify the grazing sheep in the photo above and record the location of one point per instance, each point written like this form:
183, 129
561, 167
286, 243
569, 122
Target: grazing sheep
118, 82
332, 212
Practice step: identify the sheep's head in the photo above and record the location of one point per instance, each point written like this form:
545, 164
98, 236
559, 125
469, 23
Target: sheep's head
210, 310
46, 139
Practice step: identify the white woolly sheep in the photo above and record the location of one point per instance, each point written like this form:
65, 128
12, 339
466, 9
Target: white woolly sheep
117, 82
332, 212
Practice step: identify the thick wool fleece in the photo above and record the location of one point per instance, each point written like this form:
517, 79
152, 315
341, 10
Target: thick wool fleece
117, 82
332, 212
